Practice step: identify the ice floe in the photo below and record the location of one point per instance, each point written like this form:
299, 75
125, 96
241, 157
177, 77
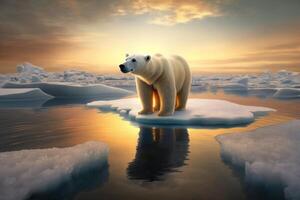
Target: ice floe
67, 84
247, 84
29, 68
287, 93
73, 90
23, 94
25, 172
198, 112
269, 156
262, 85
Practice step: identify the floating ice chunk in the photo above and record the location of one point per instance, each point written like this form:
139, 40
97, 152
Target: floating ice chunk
25, 172
29, 68
238, 84
199, 88
287, 93
199, 112
3, 79
283, 72
234, 86
244, 81
261, 92
24, 94
35, 79
73, 90
269, 155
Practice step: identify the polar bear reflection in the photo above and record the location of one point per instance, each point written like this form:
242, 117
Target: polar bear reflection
159, 151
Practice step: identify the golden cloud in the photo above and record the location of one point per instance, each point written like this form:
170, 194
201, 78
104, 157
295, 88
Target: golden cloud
170, 12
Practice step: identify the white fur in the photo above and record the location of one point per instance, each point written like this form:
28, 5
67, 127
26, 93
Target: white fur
162, 83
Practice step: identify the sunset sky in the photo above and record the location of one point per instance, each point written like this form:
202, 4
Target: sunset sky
213, 35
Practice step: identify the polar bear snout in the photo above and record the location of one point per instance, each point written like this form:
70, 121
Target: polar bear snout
123, 68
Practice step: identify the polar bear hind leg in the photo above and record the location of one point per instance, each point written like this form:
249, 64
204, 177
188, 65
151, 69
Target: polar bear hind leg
182, 96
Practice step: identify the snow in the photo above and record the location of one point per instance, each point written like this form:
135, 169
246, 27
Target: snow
268, 155
199, 112
25, 172
73, 90
30, 94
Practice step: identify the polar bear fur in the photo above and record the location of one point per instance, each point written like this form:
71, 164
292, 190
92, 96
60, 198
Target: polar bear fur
163, 84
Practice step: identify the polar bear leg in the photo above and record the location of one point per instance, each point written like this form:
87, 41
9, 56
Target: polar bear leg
167, 96
156, 101
145, 93
182, 95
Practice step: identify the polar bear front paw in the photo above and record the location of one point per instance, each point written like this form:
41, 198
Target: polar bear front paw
180, 109
156, 108
145, 112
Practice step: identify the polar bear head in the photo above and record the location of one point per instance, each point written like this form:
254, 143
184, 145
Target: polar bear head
135, 63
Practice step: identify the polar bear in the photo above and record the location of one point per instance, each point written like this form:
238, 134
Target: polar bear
163, 84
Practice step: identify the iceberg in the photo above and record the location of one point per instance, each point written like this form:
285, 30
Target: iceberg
29, 68
261, 92
23, 94
261, 85
234, 86
27, 172
287, 93
198, 112
268, 156
73, 90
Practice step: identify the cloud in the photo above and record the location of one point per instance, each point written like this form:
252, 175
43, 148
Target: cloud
285, 46
274, 56
170, 12
34, 30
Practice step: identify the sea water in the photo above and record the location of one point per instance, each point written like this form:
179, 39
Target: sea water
144, 162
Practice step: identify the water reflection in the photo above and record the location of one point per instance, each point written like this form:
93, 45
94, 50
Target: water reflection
260, 92
159, 151
69, 101
22, 104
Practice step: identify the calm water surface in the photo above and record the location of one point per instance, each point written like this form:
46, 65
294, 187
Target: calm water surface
144, 162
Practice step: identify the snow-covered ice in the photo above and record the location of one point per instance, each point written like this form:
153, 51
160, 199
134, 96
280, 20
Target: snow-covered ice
25, 172
269, 155
67, 84
24, 94
261, 85
29, 73
73, 90
199, 112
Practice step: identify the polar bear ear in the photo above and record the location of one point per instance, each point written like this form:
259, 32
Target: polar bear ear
147, 58
126, 55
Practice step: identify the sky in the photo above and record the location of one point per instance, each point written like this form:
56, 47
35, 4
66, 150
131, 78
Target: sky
212, 35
